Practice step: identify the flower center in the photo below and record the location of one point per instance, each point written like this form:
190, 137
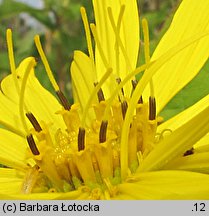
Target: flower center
89, 157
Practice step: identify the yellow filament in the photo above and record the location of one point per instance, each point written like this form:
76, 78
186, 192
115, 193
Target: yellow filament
93, 95
119, 86
12, 129
122, 9
45, 62
118, 36
153, 68
31, 64
87, 31
99, 46
11, 58
145, 29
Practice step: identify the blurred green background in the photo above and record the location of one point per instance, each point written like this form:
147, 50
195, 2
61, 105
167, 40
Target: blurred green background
60, 27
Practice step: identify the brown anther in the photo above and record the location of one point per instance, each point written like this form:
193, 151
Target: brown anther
103, 132
63, 100
152, 108
118, 80
34, 121
134, 84
124, 107
189, 152
81, 139
32, 145
100, 93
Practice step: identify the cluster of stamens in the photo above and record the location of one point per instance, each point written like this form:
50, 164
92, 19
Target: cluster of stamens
95, 162
89, 155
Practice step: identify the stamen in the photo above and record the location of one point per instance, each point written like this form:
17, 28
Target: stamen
153, 67
134, 84
118, 80
152, 108
117, 54
118, 88
99, 46
87, 31
63, 100
189, 152
34, 121
45, 62
81, 139
145, 29
11, 58
100, 93
124, 107
29, 67
120, 43
92, 96
103, 132
30, 180
32, 145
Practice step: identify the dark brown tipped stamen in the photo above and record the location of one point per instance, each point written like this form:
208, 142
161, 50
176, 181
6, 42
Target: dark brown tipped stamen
63, 100
100, 93
81, 139
152, 108
140, 101
32, 145
124, 107
134, 84
34, 121
118, 80
103, 132
189, 152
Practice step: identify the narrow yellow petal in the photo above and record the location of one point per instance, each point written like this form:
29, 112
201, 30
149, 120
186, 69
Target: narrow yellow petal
10, 181
10, 173
37, 99
190, 19
177, 143
83, 78
153, 68
128, 31
166, 185
12, 150
43, 196
184, 116
203, 144
197, 162
10, 115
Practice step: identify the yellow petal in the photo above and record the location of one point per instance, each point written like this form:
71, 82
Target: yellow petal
153, 68
166, 185
184, 116
83, 78
10, 185
9, 113
46, 196
177, 143
10, 181
37, 99
203, 144
12, 150
129, 34
197, 162
190, 19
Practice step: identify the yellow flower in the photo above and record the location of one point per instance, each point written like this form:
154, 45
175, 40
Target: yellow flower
108, 145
